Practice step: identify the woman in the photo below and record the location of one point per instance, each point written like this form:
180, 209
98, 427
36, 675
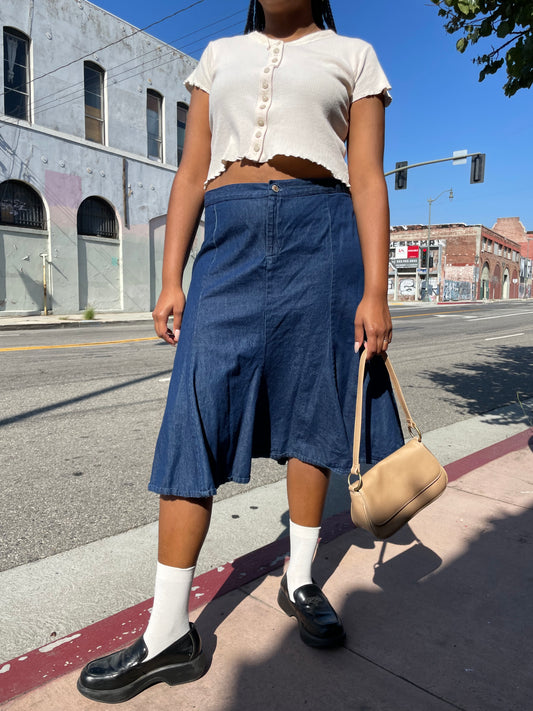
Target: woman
267, 355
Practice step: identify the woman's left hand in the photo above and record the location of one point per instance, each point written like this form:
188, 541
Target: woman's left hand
373, 325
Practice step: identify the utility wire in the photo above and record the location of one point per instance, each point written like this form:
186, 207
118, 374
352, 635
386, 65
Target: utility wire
80, 92
44, 102
120, 39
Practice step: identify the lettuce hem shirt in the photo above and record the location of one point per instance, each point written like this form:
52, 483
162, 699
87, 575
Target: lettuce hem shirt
268, 97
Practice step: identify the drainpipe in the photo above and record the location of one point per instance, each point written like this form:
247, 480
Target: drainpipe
43, 255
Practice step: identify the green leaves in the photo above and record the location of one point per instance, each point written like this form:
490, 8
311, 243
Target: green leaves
510, 21
485, 29
467, 7
504, 28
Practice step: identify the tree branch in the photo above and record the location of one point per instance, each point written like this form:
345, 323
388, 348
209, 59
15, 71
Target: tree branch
497, 51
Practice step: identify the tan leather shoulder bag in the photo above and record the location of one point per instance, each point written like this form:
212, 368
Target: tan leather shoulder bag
394, 490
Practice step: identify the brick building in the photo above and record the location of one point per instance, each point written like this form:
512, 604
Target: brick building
513, 229
466, 262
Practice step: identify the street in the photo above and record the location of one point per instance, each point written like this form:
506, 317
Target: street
79, 422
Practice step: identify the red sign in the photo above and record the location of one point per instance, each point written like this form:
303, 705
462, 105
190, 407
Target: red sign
412, 251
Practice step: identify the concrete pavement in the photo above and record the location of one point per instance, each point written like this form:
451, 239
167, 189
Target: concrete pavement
77, 320
16, 323
439, 617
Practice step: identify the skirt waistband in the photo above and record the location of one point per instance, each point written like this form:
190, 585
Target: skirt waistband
293, 187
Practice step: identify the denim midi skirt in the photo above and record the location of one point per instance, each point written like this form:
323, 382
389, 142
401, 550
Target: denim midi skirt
265, 363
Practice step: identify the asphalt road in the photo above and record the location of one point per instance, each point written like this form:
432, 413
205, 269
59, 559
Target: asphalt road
78, 423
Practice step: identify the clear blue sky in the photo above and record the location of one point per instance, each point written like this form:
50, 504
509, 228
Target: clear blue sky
438, 104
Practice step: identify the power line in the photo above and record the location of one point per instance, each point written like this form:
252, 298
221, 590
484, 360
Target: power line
79, 92
47, 101
120, 39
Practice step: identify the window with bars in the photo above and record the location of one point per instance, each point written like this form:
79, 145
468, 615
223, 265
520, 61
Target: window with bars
182, 120
21, 206
96, 218
93, 76
16, 70
154, 112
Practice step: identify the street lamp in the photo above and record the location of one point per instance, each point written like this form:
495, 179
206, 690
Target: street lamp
529, 267
430, 203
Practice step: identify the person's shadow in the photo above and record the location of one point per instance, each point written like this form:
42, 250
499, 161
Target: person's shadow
249, 569
431, 638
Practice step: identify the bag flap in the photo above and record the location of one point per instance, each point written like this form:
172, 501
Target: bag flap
393, 483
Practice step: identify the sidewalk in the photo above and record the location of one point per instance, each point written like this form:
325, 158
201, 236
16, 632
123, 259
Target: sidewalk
438, 618
15, 323
9, 323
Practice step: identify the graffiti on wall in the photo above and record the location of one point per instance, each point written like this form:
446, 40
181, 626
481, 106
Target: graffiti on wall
458, 290
407, 287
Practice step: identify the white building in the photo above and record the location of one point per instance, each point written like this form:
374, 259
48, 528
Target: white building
92, 118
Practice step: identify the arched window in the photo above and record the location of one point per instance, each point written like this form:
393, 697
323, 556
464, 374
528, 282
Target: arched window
16, 70
182, 119
485, 279
93, 77
154, 124
21, 206
96, 218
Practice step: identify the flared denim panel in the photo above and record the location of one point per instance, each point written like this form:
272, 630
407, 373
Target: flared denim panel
265, 365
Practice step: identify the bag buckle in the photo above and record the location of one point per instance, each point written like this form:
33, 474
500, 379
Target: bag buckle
357, 485
412, 426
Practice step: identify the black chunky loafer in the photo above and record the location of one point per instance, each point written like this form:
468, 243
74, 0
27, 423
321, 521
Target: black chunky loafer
122, 675
318, 622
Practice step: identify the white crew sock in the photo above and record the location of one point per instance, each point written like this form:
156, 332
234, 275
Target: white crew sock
304, 540
169, 619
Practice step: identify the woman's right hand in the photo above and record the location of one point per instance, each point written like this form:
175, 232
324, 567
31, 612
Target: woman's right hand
171, 302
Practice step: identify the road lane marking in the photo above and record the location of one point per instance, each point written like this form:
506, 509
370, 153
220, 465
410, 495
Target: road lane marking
507, 313
433, 314
77, 345
164, 380
155, 338
509, 335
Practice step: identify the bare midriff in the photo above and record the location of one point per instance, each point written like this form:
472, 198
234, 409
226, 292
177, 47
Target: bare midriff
277, 168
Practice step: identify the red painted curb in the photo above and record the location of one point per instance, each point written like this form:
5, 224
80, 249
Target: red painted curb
457, 469
38, 667
53, 660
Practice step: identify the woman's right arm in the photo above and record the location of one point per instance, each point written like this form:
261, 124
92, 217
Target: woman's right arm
183, 215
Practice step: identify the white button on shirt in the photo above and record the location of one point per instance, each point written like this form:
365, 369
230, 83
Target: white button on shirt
299, 93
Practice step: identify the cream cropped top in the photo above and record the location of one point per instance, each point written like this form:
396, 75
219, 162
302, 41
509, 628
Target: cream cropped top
269, 98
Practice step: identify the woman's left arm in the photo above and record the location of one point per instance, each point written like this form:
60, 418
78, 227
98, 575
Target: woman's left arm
373, 325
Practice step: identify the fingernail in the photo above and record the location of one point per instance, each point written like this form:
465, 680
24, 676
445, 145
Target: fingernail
176, 334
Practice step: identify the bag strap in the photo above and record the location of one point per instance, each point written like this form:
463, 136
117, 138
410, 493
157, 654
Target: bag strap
411, 425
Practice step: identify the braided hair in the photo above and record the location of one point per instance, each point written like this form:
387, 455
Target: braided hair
322, 16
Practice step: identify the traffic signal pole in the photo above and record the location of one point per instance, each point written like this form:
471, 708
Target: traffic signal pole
477, 175
428, 245
479, 159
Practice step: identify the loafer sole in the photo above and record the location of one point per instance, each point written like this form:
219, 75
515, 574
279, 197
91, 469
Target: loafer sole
171, 674
311, 640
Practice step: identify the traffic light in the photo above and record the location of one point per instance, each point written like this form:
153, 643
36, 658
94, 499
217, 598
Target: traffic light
400, 178
423, 257
477, 170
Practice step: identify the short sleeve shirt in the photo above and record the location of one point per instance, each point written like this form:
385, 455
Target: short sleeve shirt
268, 97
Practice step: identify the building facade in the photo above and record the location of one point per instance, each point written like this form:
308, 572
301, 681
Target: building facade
460, 262
91, 131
